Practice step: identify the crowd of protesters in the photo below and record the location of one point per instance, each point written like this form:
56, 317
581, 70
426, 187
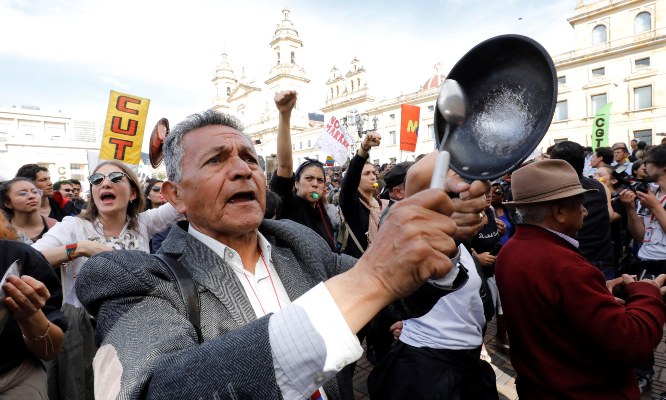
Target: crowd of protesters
565, 253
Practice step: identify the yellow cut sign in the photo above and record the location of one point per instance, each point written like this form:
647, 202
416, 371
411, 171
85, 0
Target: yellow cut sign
123, 130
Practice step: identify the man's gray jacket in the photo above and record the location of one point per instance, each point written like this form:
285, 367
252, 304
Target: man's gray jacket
149, 343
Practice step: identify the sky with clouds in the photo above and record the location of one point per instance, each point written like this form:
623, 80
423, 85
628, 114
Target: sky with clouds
67, 54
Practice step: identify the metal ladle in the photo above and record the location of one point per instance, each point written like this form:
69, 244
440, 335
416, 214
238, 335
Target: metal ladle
452, 106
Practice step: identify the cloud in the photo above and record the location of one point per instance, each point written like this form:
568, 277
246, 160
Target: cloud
114, 83
168, 50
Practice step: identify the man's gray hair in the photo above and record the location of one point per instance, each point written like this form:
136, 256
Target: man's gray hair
173, 145
537, 212
533, 213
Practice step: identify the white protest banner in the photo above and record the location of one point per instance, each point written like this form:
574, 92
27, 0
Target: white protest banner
335, 141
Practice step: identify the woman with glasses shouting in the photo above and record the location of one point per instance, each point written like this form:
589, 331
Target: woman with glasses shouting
114, 219
302, 194
20, 199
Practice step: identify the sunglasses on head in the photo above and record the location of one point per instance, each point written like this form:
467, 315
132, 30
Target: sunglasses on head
308, 162
98, 178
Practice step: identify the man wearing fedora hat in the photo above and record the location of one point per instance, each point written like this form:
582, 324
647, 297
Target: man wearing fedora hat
570, 335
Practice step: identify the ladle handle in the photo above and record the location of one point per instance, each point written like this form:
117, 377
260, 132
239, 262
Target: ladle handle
441, 170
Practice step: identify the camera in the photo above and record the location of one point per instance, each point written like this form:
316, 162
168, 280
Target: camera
630, 182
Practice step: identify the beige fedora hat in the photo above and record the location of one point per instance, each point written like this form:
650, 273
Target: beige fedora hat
545, 181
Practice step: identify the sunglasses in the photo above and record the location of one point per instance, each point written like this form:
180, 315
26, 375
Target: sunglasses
98, 178
156, 189
67, 190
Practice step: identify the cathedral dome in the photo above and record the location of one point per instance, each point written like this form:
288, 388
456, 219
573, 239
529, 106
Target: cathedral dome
436, 80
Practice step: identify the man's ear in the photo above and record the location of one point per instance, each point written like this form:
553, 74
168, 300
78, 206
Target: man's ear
399, 192
170, 192
557, 210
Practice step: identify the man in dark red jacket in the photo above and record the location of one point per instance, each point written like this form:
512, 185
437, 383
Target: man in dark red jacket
570, 337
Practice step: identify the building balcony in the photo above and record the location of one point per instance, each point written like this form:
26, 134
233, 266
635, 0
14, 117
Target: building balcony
617, 45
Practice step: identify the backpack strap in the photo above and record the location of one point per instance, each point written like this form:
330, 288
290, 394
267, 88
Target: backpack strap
186, 289
348, 232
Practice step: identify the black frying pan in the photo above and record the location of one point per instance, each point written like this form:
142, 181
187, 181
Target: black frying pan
511, 88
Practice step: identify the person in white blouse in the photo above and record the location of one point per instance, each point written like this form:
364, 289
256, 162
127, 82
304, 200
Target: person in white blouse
113, 220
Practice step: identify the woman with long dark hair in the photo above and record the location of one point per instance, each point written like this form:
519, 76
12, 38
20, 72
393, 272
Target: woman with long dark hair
302, 193
20, 199
153, 193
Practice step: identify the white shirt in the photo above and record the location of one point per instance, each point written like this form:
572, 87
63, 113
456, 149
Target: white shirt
310, 339
74, 229
456, 321
654, 239
264, 288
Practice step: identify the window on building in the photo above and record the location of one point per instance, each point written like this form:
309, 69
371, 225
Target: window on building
392, 160
642, 97
30, 129
431, 108
644, 135
54, 131
431, 131
76, 171
6, 126
561, 80
293, 58
76, 167
642, 22
598, 72
392, 137
558, 140
392, 116
300, 145
376, 162
293, 146
561, 111
599, 34
598, 101
352, 84
278, 54
358, 81
309, 143
228, 90
642, 62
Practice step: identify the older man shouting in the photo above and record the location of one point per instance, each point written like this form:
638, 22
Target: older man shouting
270, 328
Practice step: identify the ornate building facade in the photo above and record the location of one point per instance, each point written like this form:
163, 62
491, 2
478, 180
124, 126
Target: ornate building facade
348, 97
619, 56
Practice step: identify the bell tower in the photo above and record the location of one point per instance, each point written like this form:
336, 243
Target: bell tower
225, 82
286, 71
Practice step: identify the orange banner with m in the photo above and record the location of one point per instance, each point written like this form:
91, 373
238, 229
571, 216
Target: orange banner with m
409, 126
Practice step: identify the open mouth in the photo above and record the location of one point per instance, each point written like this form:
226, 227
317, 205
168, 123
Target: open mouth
242, 197
107, 197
